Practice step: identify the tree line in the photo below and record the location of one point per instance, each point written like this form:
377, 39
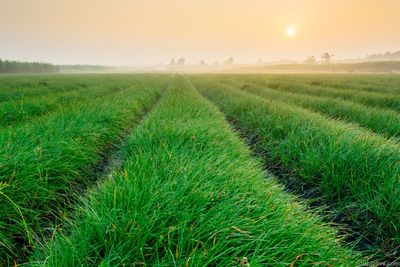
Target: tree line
7, 66
385, 56
181, 62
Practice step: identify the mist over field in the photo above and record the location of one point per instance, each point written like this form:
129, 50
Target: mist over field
199, 133
144, 34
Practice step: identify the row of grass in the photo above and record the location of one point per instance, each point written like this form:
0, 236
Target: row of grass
15, 87
381, 121
352, 167
384, 84
189, 193
370, 83
26, 109
373, 99
45, 162
22, 110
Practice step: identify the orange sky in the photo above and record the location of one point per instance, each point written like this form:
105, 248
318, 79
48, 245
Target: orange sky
131, 32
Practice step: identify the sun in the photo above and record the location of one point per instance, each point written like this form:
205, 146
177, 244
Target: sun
291, 31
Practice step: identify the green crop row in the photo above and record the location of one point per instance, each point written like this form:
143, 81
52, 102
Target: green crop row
189, 193
385, 101
352, 167
45, 162
25, 109
16, 87
381, 121
385, 84
22, 110
371, 83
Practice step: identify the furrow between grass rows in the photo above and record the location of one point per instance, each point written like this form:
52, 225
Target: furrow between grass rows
357, 170
44, 163
189, 193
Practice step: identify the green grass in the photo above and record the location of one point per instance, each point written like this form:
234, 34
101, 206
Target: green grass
185, 189
189, 193
22, 110
370, 83
388, 100
15, 87
360, 82
381, 84
45, 162
356, 169
54, 96
31, 86
381, 121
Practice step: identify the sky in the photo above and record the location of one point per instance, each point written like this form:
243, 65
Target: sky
138, 32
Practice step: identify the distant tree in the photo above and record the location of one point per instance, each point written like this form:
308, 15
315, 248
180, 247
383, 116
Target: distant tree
216, 63
180, 62
172, 62
310, 60
326, 57
202, 63
229, 61
259, 62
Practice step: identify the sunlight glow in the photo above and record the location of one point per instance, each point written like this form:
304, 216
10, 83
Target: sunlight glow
291, 31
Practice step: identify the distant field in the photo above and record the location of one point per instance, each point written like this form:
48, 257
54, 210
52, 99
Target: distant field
360, 67
199, 170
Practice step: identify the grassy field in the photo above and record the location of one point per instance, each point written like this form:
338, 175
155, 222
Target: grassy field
199, 170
